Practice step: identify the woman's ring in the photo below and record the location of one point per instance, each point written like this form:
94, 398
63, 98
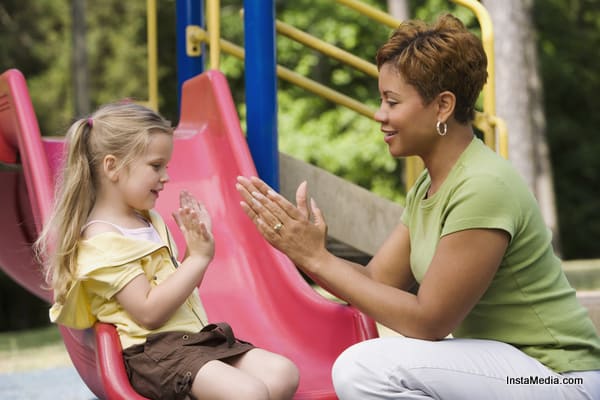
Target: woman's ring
277, 227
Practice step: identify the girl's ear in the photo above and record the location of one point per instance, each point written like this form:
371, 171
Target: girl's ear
446, 102
109, 166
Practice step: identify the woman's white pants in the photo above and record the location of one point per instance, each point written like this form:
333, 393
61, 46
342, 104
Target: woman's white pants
452, 369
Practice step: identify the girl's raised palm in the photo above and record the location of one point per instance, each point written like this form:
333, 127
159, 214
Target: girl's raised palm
196, 225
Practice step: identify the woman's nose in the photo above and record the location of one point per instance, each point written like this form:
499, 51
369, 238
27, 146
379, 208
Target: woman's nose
380, 115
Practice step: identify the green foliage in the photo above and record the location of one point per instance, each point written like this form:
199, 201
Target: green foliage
329, 136
569, 34
35, 37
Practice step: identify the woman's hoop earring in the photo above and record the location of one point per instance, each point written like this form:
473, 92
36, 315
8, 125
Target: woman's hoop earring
441, 128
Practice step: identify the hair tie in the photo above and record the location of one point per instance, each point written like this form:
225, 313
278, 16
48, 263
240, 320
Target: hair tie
90, 122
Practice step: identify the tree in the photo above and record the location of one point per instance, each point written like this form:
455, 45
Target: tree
399, 9
79, 62
569, 31
519, 99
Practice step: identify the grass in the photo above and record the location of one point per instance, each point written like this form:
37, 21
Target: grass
32, 349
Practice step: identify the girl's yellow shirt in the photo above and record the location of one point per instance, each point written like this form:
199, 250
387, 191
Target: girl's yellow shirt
106, 263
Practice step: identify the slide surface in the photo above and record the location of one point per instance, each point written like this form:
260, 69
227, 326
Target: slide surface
249, 284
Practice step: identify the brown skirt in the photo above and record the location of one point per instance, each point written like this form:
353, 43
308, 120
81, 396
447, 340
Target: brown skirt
165, 366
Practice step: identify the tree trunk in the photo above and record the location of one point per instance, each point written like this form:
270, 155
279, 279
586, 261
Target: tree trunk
519, 100
399, 9
79, 59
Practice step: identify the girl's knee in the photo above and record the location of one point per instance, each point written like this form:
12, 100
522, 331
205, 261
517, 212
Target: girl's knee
284, 379
255, 390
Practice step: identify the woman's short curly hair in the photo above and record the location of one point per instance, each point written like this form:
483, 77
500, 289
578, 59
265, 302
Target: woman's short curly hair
442, 57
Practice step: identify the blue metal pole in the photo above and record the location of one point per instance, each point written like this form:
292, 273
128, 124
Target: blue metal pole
261, 88
189, 12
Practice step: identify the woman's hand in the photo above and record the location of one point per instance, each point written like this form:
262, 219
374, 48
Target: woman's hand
195, 224
287, 227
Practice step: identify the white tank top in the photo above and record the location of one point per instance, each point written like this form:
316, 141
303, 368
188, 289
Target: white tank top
145, 233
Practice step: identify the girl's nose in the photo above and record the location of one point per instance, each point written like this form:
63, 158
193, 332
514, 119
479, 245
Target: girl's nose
165, 177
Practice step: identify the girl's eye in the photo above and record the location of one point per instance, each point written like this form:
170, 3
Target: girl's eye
156, 167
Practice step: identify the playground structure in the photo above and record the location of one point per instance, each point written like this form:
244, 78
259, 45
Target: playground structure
249, 284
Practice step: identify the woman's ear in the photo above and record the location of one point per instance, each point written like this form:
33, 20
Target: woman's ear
109, 166
446, 103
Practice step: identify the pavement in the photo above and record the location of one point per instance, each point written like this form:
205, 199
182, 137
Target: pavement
57, 383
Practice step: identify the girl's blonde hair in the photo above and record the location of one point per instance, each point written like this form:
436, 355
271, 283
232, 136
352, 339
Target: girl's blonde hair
121, 129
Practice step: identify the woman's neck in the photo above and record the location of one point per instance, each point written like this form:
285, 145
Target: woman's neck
445, 154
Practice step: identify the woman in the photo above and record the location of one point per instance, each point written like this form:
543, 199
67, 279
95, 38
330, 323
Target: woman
471, 236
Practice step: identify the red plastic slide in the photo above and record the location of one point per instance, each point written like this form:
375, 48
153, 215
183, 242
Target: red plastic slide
249, 284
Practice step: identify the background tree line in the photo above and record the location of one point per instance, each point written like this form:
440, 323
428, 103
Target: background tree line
36, 36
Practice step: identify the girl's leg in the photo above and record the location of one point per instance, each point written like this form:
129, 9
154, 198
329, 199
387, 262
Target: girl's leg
403, 368
278, 374
217, 380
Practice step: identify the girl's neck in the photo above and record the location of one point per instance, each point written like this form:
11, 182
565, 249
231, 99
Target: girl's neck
106, 209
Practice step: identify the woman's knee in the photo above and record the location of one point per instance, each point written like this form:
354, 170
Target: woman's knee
349, 371
363, 370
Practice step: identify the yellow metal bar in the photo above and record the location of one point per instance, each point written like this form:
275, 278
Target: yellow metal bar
214, 32
324, 91
152, 54
326, 48
487, 38
290, 76
493, 126
413, 166
371, 12
502, 136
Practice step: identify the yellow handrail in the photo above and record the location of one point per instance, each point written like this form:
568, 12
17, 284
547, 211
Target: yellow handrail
214, 32
371, 12
197, 35
487, 39
326, 48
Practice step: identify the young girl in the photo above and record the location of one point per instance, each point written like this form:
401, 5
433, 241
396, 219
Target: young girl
109, 258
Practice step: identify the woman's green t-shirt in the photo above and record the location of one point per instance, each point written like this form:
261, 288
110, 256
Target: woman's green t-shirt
529, 303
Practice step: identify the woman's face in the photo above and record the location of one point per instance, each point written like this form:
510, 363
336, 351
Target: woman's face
407, 123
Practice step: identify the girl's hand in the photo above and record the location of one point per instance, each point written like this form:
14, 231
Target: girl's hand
195, 224
287, 227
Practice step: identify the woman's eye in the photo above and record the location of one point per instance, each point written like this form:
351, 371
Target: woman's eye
389, 102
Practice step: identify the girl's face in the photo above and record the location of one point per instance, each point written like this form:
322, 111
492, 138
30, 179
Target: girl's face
145, 177
408, 124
